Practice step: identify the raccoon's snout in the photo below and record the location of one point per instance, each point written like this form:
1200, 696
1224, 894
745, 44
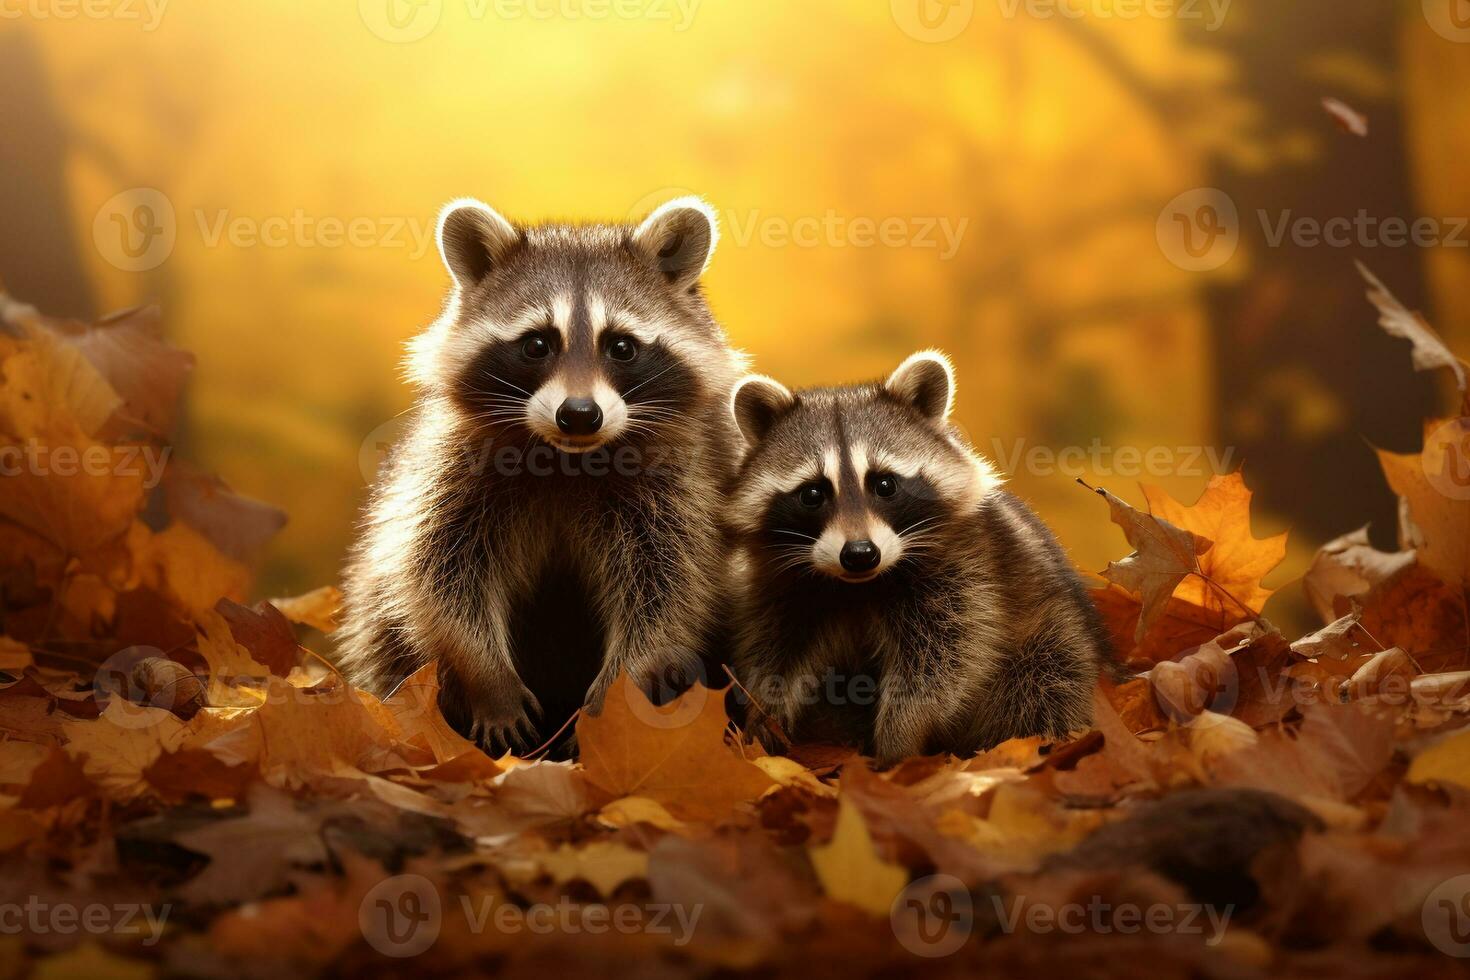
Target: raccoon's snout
860, 556
579, 417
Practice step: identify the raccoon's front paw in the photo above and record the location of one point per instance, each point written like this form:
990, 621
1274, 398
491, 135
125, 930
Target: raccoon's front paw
510, 727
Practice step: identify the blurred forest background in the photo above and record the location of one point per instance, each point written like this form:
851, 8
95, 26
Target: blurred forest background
987, 176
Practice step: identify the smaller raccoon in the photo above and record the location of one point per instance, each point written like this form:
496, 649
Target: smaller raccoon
876, 550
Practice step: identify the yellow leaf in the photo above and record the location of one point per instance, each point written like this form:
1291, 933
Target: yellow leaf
789, 772
851, 870
317, 608
183, 565
1447, 762
632, 810
117, 746
1433, 484
92, 961
602, 864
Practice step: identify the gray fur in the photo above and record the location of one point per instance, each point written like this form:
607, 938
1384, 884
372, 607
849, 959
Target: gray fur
456, 537
977, 630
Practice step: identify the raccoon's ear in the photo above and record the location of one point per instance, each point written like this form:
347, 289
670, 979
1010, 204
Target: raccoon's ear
678, 239
473, 239
926, 381
758, 402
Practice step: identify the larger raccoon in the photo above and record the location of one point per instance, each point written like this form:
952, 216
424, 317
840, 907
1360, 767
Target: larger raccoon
550, 517
893, 594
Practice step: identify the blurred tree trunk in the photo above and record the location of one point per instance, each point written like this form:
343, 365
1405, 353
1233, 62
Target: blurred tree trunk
1304, 375
1439, 140
40, 261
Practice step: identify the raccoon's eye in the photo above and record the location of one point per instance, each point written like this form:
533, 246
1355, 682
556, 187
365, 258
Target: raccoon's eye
885, 486
811, 495
535, 347
623, 349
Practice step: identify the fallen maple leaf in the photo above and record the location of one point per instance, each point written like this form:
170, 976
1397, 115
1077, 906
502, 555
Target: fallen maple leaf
117, 748
1163, 555
415, 707
851, 870
1237, 561
685, 764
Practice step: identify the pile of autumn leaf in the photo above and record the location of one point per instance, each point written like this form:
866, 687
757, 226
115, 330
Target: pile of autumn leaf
165, 745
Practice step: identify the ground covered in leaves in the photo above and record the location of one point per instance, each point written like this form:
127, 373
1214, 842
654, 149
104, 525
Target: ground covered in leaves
186, 789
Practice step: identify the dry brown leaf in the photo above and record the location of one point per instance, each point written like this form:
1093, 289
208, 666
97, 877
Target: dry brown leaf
1429, 351
675, 754
1163, 555
1348, 119
1349, 566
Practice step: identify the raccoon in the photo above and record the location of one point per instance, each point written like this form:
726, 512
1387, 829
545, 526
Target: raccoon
550, 518
891, 593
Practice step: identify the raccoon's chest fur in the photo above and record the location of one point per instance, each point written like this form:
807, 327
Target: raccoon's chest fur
557, 635
842, 708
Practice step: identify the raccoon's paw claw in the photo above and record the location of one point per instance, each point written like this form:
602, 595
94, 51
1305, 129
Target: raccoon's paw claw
513, 732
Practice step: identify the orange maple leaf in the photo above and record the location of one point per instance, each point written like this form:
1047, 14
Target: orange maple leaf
1239, 560
675, 754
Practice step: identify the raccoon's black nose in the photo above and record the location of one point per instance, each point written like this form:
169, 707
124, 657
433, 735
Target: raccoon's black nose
860, 556
579, 417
